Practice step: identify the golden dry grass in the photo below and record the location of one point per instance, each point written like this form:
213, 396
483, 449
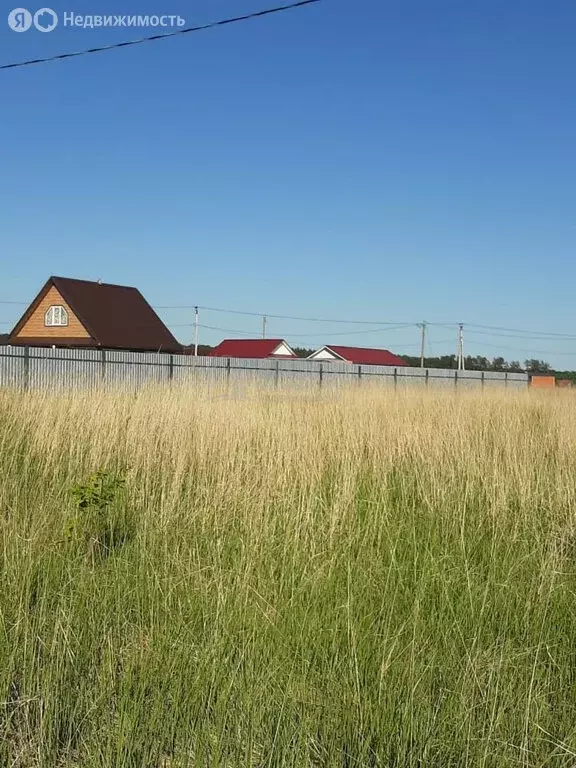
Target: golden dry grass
359, 577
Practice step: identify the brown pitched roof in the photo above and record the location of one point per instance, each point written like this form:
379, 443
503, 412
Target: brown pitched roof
115, 316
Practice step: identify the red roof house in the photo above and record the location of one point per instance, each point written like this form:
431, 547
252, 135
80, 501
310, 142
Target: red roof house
80, 313
254, 348
356, 355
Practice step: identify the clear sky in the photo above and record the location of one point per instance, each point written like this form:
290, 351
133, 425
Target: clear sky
356, 159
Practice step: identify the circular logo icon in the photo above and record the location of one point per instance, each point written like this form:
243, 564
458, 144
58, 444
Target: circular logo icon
45, 20
20, 20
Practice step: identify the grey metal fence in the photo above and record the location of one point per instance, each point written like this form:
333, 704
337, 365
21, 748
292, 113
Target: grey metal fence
42, 367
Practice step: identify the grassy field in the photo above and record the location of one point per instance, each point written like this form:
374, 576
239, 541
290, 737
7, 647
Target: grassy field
357, 579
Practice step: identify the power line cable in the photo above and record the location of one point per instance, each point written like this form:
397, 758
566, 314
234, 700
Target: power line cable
488, 330
164, 36
499, 331
418, 343
295, 335
524, 351
253, 334
535, 336
403, 324
384, 324
289, 317
515, 330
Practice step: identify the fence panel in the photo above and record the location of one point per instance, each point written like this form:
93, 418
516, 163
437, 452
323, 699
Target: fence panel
443, 378
12, 366
379, 375
516, 380
334, 375
62, 368
409, 377
42, 367
211, 371
132, 369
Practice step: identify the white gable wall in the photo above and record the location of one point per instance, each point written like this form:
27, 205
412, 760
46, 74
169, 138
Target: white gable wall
283, 349
324, 354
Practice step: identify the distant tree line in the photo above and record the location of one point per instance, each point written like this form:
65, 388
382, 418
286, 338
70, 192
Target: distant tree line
480, 363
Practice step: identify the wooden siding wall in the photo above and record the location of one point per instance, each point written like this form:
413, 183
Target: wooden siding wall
34, 327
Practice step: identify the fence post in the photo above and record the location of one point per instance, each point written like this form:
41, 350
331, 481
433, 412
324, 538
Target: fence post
103, 366
506, 379
26, 367
277, 373
482, 378
359, 374
321, 371
427, 376
171, 368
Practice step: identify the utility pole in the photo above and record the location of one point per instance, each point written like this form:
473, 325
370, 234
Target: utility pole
422, 343
263, 326
460, 355
195, 331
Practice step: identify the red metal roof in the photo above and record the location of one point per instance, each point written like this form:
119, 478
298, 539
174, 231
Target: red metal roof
363, 356
253, 348
115, 316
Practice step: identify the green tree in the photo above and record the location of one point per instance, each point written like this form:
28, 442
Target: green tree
537, 366
498, 364
477, 363
303, 351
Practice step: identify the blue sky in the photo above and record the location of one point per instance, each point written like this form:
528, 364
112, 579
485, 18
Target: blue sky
355, 159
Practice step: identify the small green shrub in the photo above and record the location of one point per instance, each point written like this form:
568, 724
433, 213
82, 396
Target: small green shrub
102, 522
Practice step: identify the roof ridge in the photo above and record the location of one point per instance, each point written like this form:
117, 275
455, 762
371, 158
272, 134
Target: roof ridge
346, 346
93, 282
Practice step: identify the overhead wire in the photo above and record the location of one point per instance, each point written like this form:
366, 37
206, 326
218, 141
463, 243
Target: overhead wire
471, 328
516, 330
492, 330
524, 351
287, 317
536, 337
498, 331
295, 335
163, 36
474, 329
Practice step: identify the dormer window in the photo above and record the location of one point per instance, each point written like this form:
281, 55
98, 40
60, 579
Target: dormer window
56, 316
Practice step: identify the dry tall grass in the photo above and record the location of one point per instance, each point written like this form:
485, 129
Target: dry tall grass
354, 579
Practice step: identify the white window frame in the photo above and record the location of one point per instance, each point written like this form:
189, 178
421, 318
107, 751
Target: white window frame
56, 317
